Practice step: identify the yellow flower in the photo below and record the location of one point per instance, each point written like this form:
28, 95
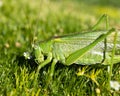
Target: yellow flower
81, 71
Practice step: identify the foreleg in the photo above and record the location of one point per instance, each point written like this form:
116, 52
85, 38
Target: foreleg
49, 58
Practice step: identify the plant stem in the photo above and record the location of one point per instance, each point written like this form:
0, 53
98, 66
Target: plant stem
112, 58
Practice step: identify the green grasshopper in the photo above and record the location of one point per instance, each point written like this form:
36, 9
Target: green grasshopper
85, 48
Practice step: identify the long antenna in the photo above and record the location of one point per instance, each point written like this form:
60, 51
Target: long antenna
36, 27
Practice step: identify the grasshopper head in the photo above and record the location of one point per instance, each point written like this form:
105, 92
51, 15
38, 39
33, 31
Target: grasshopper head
41, 50
38, 54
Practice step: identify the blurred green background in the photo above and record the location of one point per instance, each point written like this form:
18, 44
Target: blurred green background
22, 21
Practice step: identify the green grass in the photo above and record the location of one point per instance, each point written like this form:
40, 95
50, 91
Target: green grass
21, 21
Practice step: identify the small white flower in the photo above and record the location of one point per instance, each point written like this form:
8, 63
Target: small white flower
115, 85
1, 3
108, 69
26, 55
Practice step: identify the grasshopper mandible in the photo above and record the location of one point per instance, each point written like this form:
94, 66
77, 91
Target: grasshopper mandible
85, 48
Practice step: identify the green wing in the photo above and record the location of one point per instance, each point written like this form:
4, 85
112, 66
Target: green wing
67, 45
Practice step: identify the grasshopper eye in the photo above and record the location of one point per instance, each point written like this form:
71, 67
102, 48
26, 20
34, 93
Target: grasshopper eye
34, 46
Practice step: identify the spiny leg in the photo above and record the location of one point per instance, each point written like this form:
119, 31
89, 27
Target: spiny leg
105, 44
104, 16
105, 41
100, 20
53, 67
